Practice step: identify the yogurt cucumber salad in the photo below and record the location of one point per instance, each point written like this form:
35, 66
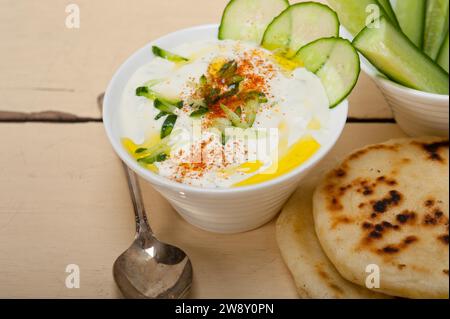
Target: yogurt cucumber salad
247, 107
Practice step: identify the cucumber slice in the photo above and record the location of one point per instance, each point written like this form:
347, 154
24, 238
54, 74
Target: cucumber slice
436, 26
299, 25
386, 4
443, 55
411, 17
234, 118
168, 125
355, 15
398, 58
247, 20
336, 62
164, 54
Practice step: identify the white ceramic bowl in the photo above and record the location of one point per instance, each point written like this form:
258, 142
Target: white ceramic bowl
417, 113
217, 210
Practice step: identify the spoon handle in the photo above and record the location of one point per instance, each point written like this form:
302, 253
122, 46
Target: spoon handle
142, 224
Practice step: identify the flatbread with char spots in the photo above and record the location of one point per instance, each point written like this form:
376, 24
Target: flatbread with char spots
388, 205
313, 273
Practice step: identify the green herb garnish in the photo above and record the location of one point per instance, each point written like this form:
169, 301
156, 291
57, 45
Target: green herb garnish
165, 107
160, 115
159, 157
203, 80
140, 150
168, 125
234, 118
168, 55
228, 70
145, 91
200, 112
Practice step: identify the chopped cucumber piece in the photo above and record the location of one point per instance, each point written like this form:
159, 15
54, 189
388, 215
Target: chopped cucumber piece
200, 112
203, 80
386, 4
299, 25
168, 55
336, 62
250, 110
260, 96
411, 17
160, 115
151, 159
247, 20
168, 125
140, 150
234, 118
355, 15
228, 69
164, 107
156, 153
443, 55
222, 124
145, 91
398, 58
436, 26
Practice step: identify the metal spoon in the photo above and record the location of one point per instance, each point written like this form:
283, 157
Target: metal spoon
150, 269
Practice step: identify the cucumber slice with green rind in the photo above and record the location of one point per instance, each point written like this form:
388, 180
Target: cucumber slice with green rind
436, 26
299, 25
247, 20
411, 17
356, 14
314, 55
336, 62
164, 54
398, 58
443, 56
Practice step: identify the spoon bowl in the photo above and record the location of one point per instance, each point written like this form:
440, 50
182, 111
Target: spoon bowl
150, 269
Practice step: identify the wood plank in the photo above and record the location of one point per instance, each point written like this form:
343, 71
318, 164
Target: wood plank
64, 200
47, 67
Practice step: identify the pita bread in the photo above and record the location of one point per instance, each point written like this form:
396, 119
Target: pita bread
314, 275
388, 205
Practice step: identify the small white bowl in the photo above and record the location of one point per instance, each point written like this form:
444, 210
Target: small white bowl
417, 113
218, 210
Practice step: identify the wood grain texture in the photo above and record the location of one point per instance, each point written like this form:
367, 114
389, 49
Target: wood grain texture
47, 67
64, 200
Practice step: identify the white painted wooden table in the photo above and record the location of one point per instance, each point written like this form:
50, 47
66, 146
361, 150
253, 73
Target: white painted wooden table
63, 195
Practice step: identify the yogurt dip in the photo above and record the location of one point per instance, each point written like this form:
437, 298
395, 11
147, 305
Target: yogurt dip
221, 114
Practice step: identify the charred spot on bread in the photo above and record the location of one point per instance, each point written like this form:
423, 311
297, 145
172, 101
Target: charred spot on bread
381, 206
433, 149
367, 225
340, 172
406, 216
375, 235
429, 202
397, 248
435, 218
386, 147
444, 239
